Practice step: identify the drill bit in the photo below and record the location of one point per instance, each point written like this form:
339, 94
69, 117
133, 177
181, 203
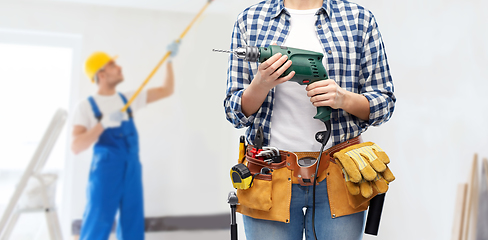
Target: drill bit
223, 51
247, 53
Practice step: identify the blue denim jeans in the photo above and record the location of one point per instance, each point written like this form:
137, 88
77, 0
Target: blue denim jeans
348, 227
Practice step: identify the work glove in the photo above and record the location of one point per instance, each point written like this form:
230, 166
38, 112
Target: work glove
173, 47
112, 120
365, 167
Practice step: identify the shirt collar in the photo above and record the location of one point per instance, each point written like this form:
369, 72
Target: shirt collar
278, 7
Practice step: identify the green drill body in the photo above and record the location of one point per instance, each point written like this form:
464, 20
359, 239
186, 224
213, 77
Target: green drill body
308, 69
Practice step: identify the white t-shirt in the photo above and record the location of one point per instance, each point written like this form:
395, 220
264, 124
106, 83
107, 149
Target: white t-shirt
293, 127
85, 116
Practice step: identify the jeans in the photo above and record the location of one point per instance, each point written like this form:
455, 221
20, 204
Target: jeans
348, 227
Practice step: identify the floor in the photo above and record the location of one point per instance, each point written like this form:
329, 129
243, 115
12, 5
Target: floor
32, 226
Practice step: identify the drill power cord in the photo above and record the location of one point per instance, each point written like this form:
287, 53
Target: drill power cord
324, 138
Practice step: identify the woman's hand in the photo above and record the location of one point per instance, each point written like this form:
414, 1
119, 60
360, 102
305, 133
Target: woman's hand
326, 93
268, 77
269, 72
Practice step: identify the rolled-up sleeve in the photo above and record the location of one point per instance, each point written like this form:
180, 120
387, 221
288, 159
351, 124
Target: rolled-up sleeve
237, 80
376, 83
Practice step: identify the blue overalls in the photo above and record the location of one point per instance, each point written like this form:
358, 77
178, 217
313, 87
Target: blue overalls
115, 183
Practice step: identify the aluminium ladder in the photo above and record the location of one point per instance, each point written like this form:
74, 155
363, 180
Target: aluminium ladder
33, 173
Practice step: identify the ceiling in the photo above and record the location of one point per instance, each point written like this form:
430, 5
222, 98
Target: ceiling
189, 6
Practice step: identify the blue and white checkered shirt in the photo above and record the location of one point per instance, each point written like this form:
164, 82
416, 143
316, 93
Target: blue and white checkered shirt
356, 60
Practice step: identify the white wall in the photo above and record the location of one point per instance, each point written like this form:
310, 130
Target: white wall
437, 53
187, 146
436, 50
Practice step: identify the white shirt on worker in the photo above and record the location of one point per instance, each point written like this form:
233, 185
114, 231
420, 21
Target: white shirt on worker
85, 116
293, 127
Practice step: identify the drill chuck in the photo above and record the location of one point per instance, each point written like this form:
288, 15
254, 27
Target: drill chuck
248, 53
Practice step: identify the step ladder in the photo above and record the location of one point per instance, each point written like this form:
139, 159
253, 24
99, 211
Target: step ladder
40, 186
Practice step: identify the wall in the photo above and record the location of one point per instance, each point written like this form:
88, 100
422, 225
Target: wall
436, 51
187, 146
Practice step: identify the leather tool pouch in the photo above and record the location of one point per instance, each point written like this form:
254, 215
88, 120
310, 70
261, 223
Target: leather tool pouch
303, 165
259, 195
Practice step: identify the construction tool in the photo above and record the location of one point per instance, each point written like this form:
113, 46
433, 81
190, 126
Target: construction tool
241, 176
242, 148
233, 201
374, 214
307, 65
168, 53
308, 69
258, 143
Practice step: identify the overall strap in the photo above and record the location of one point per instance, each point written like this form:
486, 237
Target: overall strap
129, 111
94, 106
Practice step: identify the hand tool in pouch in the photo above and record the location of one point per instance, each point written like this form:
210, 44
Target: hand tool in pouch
242, 148
239, 174
374, 214
258, 143
233, 201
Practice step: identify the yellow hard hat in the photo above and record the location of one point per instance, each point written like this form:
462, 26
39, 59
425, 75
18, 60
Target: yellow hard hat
95, 62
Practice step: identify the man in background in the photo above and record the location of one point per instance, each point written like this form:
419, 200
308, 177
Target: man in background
115, 181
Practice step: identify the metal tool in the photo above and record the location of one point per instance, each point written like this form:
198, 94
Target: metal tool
274, 149
239, 174
259, 139
265, 153
233, 201
258, 143
270, 155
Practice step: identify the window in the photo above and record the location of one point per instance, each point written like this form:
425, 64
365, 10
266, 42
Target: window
35, 81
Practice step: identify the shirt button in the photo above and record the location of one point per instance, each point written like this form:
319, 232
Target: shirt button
329, 52
319, 26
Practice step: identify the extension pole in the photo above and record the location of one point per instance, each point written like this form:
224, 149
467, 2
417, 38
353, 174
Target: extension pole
164, 58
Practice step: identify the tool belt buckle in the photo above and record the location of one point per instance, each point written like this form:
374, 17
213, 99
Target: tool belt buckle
304, 168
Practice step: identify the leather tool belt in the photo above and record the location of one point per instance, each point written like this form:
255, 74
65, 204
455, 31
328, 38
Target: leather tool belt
302, 164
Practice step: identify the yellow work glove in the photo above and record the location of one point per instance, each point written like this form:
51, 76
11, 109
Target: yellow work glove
364, 167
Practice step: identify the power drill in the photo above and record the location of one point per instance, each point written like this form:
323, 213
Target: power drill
307, 65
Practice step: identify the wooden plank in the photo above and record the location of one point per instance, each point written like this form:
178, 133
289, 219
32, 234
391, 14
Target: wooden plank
457, 227
469, 225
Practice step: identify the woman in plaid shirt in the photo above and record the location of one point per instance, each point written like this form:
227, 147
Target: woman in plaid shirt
360, 91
